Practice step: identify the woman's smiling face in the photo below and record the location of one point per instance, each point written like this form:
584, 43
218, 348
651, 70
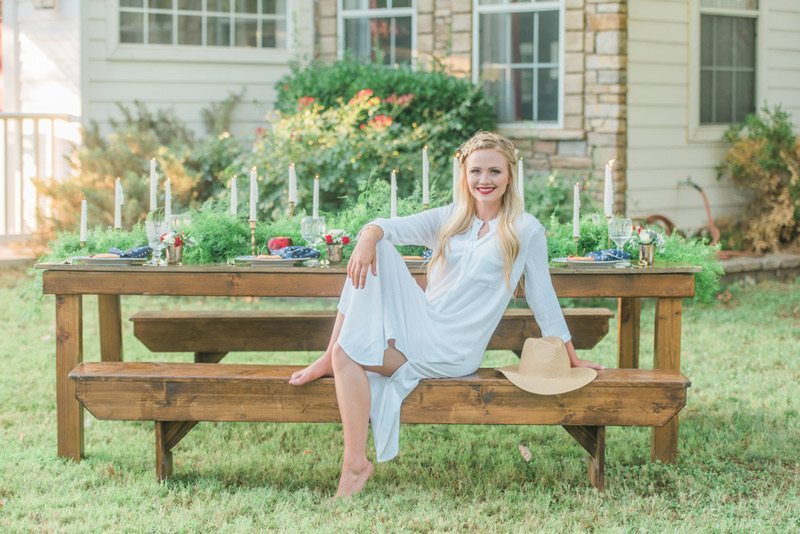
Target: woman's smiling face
487, 176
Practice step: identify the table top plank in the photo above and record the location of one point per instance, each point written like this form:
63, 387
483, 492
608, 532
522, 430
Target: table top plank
274, 281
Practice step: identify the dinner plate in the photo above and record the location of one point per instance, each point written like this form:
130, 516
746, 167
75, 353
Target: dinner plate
253, 261
90, 260
591, 264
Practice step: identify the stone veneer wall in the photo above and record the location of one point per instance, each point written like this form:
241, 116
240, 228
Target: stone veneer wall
595, 81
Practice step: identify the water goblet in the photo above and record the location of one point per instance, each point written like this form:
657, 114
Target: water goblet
308, 229
619, 230
155, 229
319, 230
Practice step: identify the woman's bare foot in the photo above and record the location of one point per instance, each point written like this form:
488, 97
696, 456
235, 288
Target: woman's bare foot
353, 479
321, 367
586, 363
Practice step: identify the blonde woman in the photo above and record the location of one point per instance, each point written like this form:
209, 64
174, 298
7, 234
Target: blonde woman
389, 334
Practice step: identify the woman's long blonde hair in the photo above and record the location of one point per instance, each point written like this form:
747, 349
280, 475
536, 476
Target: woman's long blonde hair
465, 211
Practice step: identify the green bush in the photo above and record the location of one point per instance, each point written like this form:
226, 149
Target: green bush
356, 140
435, 93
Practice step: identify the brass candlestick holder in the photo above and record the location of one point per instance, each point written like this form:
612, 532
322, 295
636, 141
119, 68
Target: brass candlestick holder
425, 206
253, 237
291, 208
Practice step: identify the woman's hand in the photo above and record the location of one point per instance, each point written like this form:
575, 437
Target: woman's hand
364, 257
574, 361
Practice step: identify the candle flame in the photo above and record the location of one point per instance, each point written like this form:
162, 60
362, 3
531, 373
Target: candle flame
611, 163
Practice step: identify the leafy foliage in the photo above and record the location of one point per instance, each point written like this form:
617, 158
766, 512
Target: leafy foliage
219, 236
353, 141
435, 93
125, 152
765, 160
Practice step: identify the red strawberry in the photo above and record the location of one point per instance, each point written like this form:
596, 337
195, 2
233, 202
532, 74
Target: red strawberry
345, 240
329, 239
279, 242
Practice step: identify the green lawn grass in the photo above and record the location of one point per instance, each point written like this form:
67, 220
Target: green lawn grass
739, 465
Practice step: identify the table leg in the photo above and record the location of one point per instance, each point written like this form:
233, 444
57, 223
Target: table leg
629, 310
667, 355
69, 353
110, 316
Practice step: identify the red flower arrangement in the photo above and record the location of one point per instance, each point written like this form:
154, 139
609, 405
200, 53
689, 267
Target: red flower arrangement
337, 237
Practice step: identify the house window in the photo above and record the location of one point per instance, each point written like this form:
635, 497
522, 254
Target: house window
519, 54
218, 23
727, 60
378, 30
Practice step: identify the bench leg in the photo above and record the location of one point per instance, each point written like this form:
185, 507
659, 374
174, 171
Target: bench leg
593, 440
163, 452
168, 435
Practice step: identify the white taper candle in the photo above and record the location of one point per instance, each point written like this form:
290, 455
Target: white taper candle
315, 200
292, 184
84, 232
253, 194
456, 172
608, 190
521, 182
425, 176
153, 185
118, 204
167, 201
576, 210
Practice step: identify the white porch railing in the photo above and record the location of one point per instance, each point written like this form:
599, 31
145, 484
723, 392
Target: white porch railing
34, 145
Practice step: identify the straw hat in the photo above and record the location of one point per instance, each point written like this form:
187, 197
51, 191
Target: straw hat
544, 368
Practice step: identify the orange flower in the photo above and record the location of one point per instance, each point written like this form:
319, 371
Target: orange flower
364, 93
304, 102
381, 121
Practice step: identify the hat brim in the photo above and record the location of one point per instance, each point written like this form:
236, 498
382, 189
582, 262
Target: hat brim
576, 378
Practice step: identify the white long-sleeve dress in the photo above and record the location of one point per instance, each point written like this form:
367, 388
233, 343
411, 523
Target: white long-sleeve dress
442, 331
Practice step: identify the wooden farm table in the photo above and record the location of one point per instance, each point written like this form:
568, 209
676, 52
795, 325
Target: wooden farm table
70, 282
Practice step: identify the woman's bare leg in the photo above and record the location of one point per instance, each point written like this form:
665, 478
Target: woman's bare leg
322, 366
353, 396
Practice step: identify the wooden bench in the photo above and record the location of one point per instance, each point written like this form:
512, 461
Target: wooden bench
177, 395
212, 334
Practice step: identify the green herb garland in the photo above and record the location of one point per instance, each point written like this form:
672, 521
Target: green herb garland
218, 236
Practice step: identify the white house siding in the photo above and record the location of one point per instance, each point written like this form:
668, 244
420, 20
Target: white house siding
183, 79
665, 146
782, 84
41, 75
41, 58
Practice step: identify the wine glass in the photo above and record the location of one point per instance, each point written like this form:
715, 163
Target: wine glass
307, 229
312, 229
155, 229
619, 230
